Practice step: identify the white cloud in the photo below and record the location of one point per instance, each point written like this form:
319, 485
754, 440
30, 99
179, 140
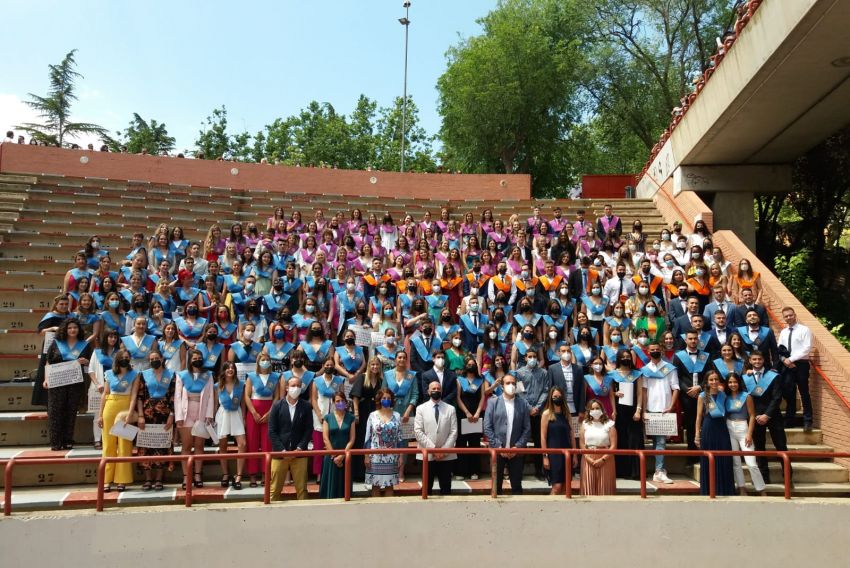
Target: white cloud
14, 111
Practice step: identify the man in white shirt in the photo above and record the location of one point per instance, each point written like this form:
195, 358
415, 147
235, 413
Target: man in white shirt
661, 386
10, 137
619, 286
796, 339
435, 426
507, 424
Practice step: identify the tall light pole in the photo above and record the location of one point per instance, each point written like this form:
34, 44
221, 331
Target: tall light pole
405, 21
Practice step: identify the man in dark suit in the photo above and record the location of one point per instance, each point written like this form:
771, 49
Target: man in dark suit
507, 424
705, 341
421, 347
439, 373
719, 333
473, 325
759, 338
678, 305
748, 302
682, 324
765, 387
691, 366
290, 429
719, 303
581, 280
569, 377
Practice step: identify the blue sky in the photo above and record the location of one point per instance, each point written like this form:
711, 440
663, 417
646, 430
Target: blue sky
175, 61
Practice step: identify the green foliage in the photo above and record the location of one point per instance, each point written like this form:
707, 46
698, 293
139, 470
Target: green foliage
55, 107
213, 141
794, 272
140, 136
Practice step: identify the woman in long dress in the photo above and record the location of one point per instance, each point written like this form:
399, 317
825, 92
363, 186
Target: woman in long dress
598, 472
383, 431
712, 434
338, 432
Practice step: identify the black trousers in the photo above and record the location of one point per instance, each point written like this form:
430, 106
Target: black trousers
468, 464
442, 471
515, 466
794, 379
689, 411
62, 406
535, 438
776, 428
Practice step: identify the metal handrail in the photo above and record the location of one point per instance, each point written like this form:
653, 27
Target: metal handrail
568, 453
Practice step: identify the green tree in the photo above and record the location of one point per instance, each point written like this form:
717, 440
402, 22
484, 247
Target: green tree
55, 107
142, 135
213, 141
418, 155
361, 130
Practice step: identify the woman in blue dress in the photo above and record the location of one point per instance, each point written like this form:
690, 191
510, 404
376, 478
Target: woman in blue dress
712, 434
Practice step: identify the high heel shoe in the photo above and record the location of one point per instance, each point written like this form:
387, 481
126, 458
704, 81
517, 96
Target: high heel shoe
225, 481
198, 481
237, 483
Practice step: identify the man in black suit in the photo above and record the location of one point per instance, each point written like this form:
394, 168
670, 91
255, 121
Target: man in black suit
691, 366
748, 302
569, 377
765, 388
705, 341
759, 338
446, 377
290, 429
719, 333
682, 324
678, 306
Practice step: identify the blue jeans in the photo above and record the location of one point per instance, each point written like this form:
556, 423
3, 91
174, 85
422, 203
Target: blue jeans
659, 443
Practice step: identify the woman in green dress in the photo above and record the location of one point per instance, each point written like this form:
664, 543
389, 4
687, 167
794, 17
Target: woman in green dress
338, 432
651, 320
456, 355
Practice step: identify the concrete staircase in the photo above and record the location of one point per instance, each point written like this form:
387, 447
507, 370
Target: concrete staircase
45, 220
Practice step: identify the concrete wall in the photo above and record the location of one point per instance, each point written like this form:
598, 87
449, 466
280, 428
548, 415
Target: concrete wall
518, 532
37, 160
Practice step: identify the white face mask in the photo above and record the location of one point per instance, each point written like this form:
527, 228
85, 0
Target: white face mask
596, 414
473, 291
350, 286
247, 334
564, 291
553, 335
643, 340
456, 342
439, 363
565, 357
436, 289
493, 335
597, 368
294, 392
510, 389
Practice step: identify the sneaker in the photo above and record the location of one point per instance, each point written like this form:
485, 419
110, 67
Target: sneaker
458, 478
474, 477
661, 477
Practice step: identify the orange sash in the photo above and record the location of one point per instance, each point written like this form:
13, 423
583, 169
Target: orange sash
550, 285
503, 285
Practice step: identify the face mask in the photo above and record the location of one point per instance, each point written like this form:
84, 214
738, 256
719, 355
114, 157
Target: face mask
510, 389
197, 364
390, 340
557, 400
655, 354
745, 267
502, 271
278, 286
531, 362
696, 255
473, 291
597, 368
585, 336
616, 339
328, 371
632, 248
247, 334
427, 330
113, 304
596, 291
139, 305
527, 335
249, 287
293, 392
309, 309
95, 245
553, 335
700, 272
340, 405
643, 291
596, 414
265, 365
349, 341
278, 334
436, 395
524, 274
565, 357
470, 368
439, 363
500, 318
388, 313
436, 289
386, 403
625, 363
123, 364
665, 237
564, 291
669, 263
446, 319
156, 364
350, 287
192, 312
530, 292
493, 335
681, 246
361, 311
212, 336
456, 342
656, 246
650, 311
287, 318
597, 262
473, 308
643, 340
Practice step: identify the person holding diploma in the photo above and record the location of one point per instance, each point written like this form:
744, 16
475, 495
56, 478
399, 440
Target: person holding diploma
661, 391
49, 324
628, 392
712, 434
193, 403
154, 403
470, 408
120, 387
64, 401
230, 420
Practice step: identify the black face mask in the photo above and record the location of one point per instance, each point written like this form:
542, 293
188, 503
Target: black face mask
500, 318
212, 336
123, 364
557, 400
470, 369
197, 364
427, 330
446, 318
192, 312
139, 305
156, 364
361, 311
349, 341
436, 395
286, 318
655, 354
316, 333
278, 287
585, 336
297, 363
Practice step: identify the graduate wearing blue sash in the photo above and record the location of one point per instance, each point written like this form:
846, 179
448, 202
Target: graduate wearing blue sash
721, 367
139, 351
190, 330
599, 386
316, 356
325, 386
422, 354
156, 395
471, 334
279, 351
628, 382
246, 352
444, 333
170, 353
118, 386
272, 303
580, 358
712, 434
211, 354
158, 386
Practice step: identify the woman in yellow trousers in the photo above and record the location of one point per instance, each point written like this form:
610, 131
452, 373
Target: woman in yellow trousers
119, 384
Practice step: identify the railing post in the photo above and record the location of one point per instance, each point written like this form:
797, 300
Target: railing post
493, 465
347, 475
101, 478
7, 488
786, 473
642, 464
568, 473
712, 481
267, 476
190, 479
425, 472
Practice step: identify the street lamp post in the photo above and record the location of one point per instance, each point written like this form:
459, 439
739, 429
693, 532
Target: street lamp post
405, 21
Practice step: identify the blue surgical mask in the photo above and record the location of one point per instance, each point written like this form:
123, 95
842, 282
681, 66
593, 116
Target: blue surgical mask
309, 309
265, 364
113, 304
388, 313
386, 403
278, 334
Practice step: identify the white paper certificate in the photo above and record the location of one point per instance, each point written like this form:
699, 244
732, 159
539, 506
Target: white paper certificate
628, 390
49, 338
242, 369
467, 427
63, 374
154, 436
407, 430
126, 431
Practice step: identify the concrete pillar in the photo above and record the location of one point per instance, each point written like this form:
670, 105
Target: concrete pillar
734, 211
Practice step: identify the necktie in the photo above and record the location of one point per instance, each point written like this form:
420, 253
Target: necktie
790, 331
621, 287
721, 307
475, 320
437, 413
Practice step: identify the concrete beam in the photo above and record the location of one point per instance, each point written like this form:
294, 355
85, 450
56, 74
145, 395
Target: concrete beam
724, 179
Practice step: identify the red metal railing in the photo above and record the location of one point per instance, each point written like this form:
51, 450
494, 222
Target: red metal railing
568, 453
